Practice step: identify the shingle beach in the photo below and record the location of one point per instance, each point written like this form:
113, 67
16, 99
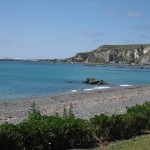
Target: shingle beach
85, 104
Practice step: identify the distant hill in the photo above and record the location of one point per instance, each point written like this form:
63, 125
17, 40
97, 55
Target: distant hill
121, 54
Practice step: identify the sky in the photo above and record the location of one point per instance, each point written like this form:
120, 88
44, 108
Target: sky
49, 29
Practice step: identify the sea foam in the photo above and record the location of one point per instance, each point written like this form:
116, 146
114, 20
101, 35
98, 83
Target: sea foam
126, 85
103, 87
96, 88
87, 89
74, 91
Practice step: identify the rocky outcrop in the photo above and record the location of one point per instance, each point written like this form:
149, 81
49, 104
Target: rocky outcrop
121, 54
95, 81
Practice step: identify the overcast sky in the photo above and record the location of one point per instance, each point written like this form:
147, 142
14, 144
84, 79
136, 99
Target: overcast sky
62, 28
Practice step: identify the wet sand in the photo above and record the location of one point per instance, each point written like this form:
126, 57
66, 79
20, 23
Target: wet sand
85, 104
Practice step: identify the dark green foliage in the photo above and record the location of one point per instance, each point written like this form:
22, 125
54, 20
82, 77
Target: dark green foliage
101, 125
34, 113
143, 112
69, 132
35, 135
41, 132
84, 56
55, 133
10, 138
116, 127
123, 126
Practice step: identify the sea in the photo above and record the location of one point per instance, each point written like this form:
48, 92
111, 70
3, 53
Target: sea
19, 80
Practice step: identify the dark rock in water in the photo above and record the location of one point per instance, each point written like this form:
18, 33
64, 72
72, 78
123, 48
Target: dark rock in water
95, 81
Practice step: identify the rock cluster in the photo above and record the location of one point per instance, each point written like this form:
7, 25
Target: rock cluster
95, 81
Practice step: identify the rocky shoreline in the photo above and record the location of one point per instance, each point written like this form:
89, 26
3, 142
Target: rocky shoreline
85, 104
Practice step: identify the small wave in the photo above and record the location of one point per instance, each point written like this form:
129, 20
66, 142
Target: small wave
104, 87
126, 85
87, 89
97, 88
74, 91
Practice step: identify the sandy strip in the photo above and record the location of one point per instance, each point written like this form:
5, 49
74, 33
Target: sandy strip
85, 104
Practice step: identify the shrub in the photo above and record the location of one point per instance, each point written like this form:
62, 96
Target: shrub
32, 136
100, 126
141, 113
117, 123
34, 113
10, 138
39, 132
69, 132
54, 132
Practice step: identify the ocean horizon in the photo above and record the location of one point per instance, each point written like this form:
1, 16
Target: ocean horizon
27, 79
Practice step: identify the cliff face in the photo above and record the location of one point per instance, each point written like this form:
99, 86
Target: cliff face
122, 54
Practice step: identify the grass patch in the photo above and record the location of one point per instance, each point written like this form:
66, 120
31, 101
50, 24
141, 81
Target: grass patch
138, 143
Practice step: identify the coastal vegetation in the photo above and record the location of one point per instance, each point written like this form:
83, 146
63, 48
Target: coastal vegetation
41, 132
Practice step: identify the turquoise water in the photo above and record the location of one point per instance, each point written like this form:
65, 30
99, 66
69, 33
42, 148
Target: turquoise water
25, 79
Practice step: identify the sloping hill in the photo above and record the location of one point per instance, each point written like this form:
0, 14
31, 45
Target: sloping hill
122, 54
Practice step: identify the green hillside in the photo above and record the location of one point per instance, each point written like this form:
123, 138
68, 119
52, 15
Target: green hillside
122, 54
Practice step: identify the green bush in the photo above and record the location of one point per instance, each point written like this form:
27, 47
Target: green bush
40, 132
70, 132
122, 126
142, 111
117, 123
101, 126
10, 138
33, 135
54, 132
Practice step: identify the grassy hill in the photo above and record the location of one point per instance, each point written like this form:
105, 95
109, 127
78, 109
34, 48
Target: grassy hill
123, 54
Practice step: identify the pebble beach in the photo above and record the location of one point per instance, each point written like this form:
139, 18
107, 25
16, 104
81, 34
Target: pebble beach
85, 104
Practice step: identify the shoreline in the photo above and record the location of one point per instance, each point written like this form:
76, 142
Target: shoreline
85, 104
61, 61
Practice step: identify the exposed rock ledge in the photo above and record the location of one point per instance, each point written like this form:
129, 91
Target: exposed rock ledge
95, 81
137, 54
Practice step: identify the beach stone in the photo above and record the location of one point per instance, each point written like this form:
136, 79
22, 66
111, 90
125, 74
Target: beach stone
95, 81
5, 117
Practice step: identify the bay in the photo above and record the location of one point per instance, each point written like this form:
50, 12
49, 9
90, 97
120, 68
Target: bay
26, 79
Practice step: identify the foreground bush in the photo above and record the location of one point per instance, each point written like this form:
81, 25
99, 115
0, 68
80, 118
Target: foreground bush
101, 126
39, 132
10, 138
142, 111
55, 133
123, 126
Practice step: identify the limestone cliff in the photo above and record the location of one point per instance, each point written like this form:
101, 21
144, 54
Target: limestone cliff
122, 54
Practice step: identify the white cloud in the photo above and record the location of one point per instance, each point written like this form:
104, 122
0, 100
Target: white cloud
111, 13
96, 3
133, 14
